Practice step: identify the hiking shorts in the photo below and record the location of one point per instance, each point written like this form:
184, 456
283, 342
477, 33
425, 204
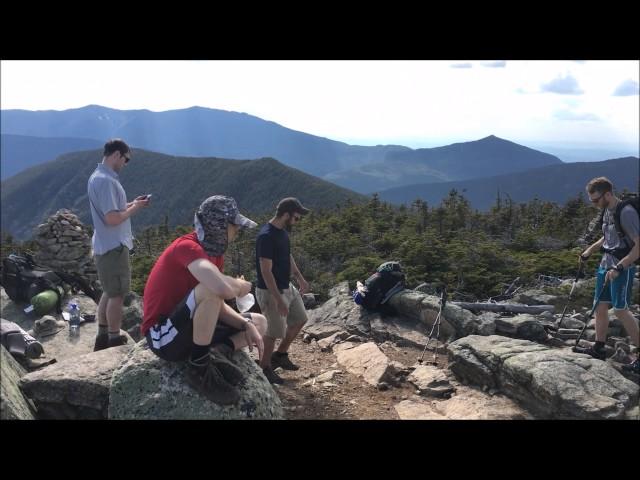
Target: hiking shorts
172, 337
114, 271
618, 292
276, 323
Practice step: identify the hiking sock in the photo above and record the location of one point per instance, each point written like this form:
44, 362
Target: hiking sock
280, 354
599, 346
114, 335
199, 354
103, 329
227, 341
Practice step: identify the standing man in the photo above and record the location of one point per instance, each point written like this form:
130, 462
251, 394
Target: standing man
112, 239
185, 316
621, 249
279, 300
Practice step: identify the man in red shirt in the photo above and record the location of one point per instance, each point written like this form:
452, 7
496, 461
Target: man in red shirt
184, 299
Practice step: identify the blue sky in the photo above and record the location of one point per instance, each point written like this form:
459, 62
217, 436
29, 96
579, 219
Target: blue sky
569, 104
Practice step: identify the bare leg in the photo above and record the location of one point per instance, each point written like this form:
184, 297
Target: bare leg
240, 339
102, 310
269, 343
205, 318
292, 333
630, 325
114, 313
602, 321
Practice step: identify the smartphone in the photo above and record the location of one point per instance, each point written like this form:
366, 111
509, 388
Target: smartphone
148, 196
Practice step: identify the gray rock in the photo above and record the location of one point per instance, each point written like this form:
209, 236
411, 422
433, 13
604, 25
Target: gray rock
76, 388
146, 387
13, 404
521, 326
551, 383
367, 361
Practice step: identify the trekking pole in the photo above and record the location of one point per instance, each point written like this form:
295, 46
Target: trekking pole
443, 300
595, 305
573, 286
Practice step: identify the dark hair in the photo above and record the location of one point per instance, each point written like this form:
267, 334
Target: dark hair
115, 145
600, 184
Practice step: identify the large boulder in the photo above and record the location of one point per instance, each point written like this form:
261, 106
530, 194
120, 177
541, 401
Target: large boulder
455, 322
367, 361
339, 313
13, 404
146, 387
550, 383
467, 404
522, 326
75, 388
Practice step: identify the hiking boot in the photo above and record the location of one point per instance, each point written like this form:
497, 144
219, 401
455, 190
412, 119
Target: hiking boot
272, 376
102, 342
633, 367
208, 381
599, 354
221, 358
116, 342
282, 360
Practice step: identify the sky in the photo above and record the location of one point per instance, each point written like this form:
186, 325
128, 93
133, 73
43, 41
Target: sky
426, 103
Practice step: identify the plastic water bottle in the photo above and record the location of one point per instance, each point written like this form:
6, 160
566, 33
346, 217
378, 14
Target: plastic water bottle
245, 303
74, 319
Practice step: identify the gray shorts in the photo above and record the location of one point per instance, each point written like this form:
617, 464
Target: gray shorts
276, 323
114, 271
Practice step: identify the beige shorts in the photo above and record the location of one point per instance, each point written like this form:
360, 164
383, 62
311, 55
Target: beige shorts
276, 323
114, 271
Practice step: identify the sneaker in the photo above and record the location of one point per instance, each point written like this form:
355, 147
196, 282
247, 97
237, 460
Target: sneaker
633, 367
272, 376
599, 354
221, 358
102, 342
208, 381
282, 360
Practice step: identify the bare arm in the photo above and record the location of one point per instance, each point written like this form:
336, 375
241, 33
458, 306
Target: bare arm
594, 247
633, 255
222, 285
116, 217
302, 283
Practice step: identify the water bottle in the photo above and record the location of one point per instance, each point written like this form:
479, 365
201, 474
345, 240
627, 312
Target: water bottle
74, 319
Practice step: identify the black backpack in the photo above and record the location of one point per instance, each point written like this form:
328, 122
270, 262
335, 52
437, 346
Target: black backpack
22, 279
387, 280
623, 251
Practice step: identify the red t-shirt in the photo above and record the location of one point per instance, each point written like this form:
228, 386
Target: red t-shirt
170, 280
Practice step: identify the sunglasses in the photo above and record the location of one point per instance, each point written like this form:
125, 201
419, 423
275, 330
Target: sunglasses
297, 217
126, 158
596, 200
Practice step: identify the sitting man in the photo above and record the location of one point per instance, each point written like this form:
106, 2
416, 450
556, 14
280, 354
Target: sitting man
184, 299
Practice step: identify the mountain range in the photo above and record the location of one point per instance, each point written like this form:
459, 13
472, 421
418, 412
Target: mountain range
205, 132
196, 132
555, 183
178, 185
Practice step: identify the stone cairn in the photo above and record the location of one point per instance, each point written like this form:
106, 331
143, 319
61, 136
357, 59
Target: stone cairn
65, 245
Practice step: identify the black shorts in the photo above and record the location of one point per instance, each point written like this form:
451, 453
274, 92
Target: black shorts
172, 337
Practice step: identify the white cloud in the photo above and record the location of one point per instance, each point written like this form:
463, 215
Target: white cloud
576, 116
627, 88
566, 85
495, 64
416, 103
462, 65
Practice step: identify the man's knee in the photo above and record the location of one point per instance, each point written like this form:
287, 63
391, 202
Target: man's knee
260, 322
203, 294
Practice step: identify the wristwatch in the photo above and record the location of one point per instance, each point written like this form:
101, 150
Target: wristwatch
247, 321
620, 268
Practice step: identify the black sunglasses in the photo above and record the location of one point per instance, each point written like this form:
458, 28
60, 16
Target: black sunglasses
126, 158
596, 200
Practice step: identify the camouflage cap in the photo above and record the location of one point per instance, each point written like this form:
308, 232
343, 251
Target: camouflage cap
211, 220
